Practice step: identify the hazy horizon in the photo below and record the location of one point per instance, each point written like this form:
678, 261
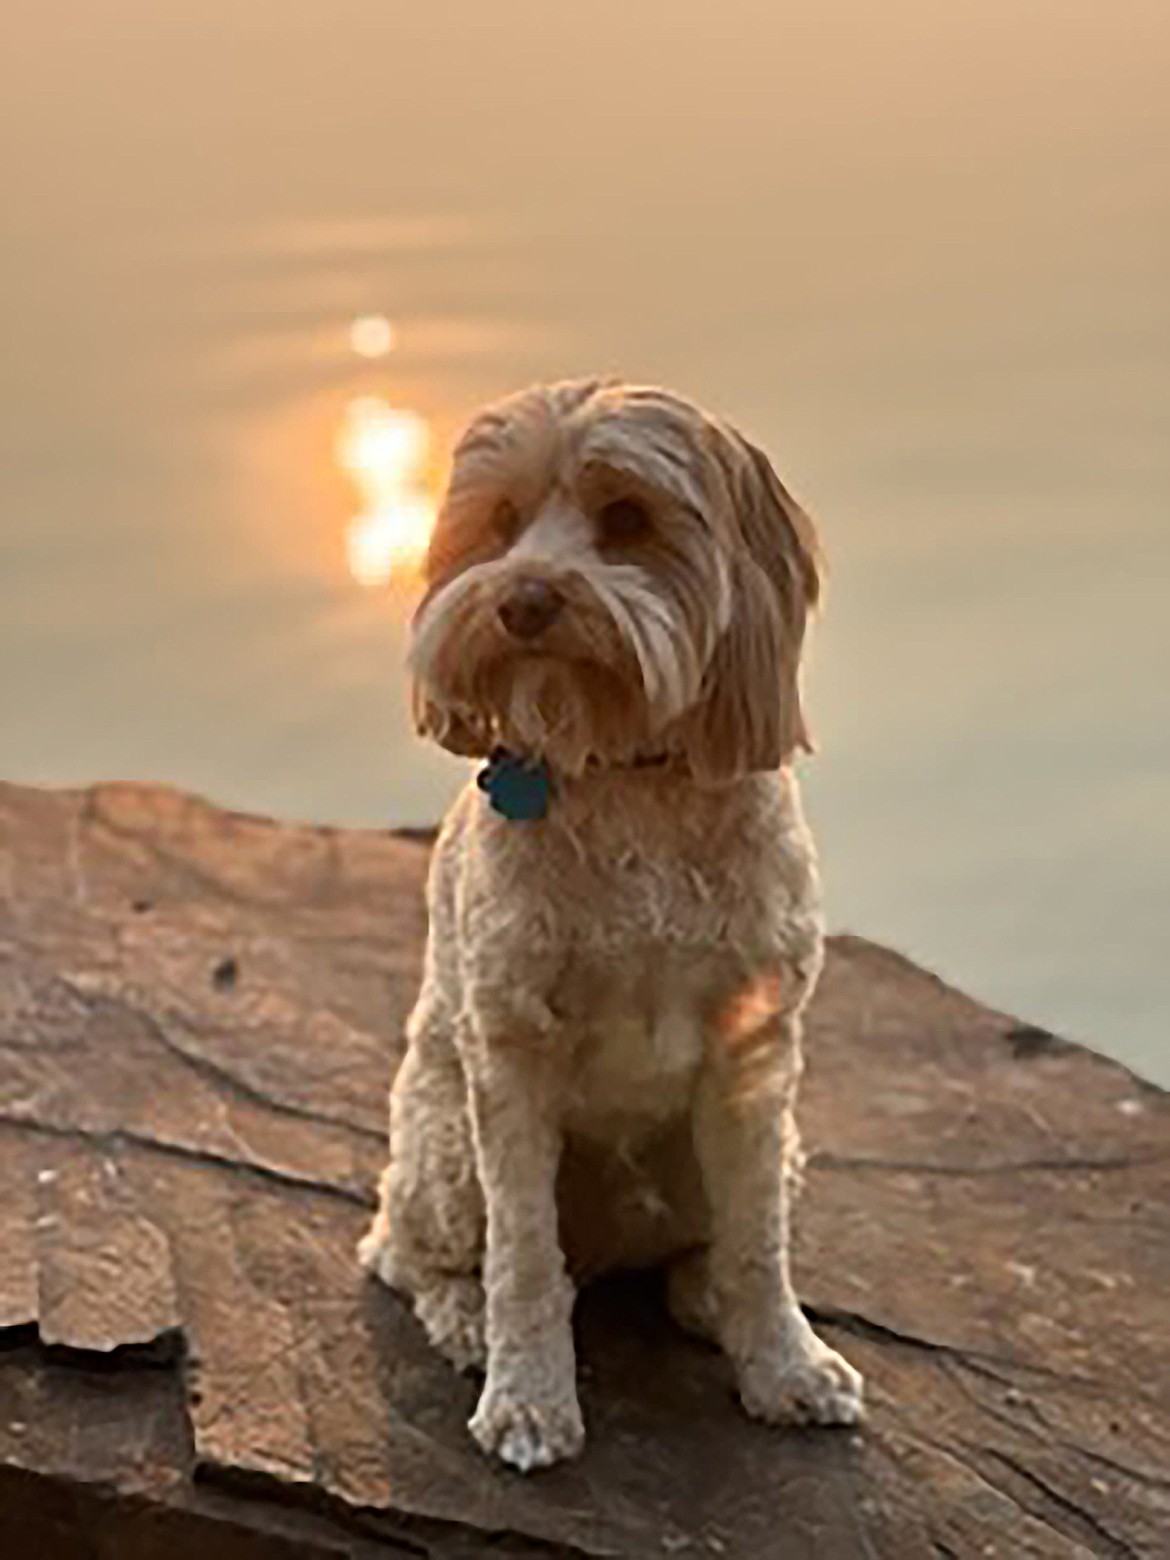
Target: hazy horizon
919, 253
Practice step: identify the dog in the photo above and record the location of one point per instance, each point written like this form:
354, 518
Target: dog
625, 921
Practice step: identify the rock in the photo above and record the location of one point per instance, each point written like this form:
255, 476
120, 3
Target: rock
199, 1017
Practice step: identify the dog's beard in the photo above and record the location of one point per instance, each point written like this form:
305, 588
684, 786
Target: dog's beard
567, 712
603, 684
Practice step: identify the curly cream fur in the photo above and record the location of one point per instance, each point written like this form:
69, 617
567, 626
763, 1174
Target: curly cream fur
604, 1054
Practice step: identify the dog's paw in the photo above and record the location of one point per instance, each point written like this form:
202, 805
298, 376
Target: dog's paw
452, 1311
805, 1383
528, 1431
374, 1246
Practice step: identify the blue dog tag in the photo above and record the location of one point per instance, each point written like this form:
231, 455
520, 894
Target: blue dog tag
516, 788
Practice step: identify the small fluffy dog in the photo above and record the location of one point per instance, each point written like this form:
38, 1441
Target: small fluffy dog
624, 913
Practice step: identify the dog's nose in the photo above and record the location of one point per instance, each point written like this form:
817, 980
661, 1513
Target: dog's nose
530, 607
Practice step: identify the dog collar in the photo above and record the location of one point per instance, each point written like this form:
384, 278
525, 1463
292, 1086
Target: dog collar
521, 789
517, 788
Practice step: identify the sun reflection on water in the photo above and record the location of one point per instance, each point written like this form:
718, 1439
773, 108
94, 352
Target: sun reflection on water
383, 450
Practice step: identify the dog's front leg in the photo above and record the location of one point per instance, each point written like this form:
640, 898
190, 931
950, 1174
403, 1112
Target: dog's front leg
528, 1412
746, 1141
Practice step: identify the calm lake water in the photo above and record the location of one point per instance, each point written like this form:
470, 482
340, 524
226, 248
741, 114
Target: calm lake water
920, 252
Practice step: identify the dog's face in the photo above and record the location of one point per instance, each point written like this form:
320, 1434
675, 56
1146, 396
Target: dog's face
613, 574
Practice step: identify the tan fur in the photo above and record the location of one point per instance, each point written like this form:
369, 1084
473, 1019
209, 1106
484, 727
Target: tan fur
604, 1055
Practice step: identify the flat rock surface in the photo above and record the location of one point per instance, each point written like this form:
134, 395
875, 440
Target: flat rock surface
199, 1018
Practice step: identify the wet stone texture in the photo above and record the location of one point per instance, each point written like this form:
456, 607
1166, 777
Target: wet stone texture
199, 1015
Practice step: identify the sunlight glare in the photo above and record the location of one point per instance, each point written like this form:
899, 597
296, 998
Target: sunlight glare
371, 335
384, 542
383, 450
380, 447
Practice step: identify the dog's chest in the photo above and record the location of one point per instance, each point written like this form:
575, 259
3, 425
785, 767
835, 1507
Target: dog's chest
651, 942
655, 910
637, 1036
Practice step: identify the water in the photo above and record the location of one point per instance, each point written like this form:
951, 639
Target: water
919, 252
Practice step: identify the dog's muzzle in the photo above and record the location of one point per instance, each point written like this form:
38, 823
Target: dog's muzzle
530, 607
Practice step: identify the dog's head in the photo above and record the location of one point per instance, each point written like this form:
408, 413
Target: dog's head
614, 573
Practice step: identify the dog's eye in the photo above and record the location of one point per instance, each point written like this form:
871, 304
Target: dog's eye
505, 522
621, 521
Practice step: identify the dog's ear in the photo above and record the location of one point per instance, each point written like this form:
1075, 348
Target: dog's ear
456, 727
749, 716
